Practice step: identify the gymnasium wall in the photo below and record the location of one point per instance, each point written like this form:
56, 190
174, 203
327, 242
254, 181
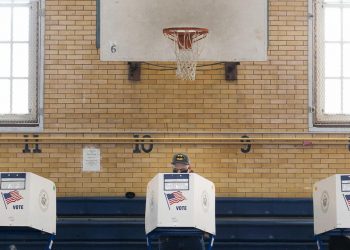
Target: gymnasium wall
87, 97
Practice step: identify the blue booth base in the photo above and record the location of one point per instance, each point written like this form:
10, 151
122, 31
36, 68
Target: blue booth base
176, 232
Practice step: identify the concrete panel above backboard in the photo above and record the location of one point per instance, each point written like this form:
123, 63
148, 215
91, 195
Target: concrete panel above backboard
237, 28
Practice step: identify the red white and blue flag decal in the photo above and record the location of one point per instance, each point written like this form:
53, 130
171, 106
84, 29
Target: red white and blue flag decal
347, 200
175, 197
12, 196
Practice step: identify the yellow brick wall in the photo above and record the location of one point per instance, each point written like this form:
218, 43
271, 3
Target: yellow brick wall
83, 94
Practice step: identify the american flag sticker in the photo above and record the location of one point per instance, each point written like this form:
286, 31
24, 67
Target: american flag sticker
10, 197
174, 197
347, 200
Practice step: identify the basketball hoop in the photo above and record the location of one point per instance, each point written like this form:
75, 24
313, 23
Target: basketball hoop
187, 49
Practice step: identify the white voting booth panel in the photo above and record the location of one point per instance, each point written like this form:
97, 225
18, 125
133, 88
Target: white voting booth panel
180, 200
27, 200
331, 202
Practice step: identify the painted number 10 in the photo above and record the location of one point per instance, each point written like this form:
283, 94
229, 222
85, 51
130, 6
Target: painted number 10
140, 144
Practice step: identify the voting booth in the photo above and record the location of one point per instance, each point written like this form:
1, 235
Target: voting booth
331, 204
180, 201
28, 200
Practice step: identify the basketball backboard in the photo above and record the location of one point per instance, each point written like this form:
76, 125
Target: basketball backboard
132, 30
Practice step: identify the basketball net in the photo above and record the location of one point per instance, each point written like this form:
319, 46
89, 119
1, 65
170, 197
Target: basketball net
187, 48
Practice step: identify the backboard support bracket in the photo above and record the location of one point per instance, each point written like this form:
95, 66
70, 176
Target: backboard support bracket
134, 71
231, 71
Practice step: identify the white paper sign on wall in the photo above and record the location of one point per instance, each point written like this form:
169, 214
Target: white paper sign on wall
91, 160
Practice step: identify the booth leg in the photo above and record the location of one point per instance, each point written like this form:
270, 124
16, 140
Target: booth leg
149, 243
319, 242
210, 246
49, 245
